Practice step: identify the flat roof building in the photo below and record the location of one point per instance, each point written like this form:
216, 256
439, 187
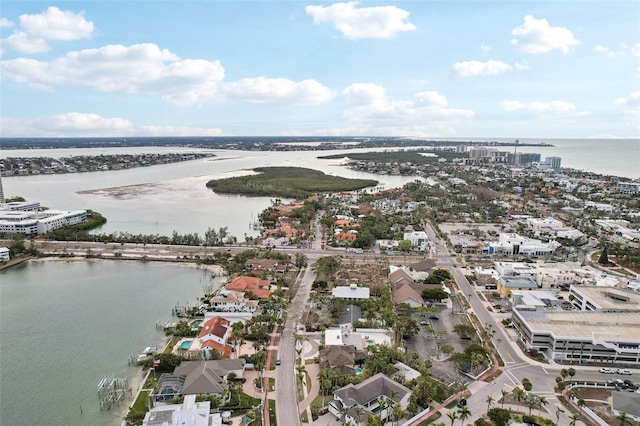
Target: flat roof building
610, 338
604, 299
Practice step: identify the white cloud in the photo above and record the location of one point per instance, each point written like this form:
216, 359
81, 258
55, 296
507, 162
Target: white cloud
369, 109
24, 43
277, 91
624, 49
522, 65
52, 24
477, 68
631, 100
149, 70
140, 68
69, 124
55, 24
77, 124
560, 107
5, 23
536, 36
176, 131
485, 47
631, 109
365, 22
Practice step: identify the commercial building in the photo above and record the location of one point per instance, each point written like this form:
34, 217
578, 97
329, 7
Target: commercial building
508, 284
26, 219
5, 254
580, 337
602, 328
604, 299
513, 244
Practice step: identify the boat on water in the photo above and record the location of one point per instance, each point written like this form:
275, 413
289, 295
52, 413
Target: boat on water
144, 355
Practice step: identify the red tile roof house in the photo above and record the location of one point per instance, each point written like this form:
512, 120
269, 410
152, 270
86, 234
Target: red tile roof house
214, 335
259, 287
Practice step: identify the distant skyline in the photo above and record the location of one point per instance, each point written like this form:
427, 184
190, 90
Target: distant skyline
432, 69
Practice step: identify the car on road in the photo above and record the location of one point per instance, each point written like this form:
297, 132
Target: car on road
606, 370
278, 362
434, 317
624, 371
424, 323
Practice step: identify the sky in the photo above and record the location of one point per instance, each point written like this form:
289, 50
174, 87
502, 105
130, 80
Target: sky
432, 69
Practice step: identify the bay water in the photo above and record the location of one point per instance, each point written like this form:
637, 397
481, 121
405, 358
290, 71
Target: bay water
65, 325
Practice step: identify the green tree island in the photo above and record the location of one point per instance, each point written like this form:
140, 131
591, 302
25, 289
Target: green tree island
287, 182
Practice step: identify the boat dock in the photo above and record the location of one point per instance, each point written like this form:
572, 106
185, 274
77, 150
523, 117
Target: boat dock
111, 391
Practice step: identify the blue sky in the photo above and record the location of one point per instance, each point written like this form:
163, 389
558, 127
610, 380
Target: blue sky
433, 69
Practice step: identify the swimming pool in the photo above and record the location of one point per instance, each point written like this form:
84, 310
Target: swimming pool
358, 371
184, 346
195, 324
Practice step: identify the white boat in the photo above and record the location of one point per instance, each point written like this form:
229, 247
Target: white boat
149, 350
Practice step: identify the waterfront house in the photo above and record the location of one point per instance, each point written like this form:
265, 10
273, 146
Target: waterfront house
199, 378
189, 412
214, 335
258, 287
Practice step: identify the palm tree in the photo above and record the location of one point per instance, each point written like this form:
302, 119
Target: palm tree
358, 411
558, 411
452, 416
574, 419
464, 414
504, 396
519, 395
343, 412
489, 402
624, 419
542, 402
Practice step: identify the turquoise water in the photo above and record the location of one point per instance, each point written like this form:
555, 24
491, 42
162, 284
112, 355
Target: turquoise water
195, 324
184, 346
67, 325
358, 371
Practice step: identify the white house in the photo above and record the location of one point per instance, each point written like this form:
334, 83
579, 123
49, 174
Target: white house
351, 292
189, 412
418, 239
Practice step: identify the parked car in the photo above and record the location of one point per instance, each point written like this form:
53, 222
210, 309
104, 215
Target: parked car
278, 362
624, 371
606, 370
434, 317
424, 323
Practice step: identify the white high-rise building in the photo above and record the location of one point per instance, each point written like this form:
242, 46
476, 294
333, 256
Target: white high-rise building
1, 192
553, 162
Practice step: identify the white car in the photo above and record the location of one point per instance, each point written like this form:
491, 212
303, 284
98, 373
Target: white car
624, 371
606, 370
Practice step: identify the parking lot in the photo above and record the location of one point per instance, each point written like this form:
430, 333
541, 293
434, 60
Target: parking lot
425, 346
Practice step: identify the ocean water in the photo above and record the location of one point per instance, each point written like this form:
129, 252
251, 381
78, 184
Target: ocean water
68, 324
